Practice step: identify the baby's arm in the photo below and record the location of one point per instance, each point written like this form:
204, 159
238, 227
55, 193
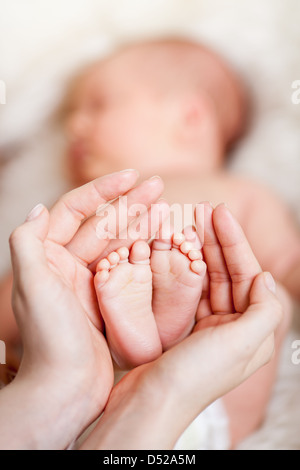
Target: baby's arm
275, 237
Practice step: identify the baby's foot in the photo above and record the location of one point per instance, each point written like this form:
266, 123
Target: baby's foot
178, 272
124, 288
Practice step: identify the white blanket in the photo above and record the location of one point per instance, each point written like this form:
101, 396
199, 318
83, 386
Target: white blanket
43, 43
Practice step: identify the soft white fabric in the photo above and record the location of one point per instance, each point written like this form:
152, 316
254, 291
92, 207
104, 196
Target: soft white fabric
43, 43
209, 431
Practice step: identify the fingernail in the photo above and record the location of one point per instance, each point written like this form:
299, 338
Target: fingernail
130, 170
223, 204
204, 204
269, 282
35, 212
156, 177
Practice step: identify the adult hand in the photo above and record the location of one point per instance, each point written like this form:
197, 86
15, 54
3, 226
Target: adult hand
66, 372
233, 337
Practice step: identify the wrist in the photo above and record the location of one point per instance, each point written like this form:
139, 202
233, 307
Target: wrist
40, 415
142, 413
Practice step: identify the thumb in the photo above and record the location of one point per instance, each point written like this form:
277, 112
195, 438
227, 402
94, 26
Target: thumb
263, 288
265, 311
26, 243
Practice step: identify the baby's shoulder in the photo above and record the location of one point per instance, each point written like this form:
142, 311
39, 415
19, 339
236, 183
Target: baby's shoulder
251, 189
252, 199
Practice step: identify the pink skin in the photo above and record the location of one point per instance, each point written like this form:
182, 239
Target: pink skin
116, 115
137, 329
177, 286
124, 289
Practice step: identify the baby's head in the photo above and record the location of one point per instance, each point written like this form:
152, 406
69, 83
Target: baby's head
168, 107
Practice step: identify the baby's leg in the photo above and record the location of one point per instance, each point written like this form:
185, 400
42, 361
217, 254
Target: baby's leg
246, 405
178, 272
124, 288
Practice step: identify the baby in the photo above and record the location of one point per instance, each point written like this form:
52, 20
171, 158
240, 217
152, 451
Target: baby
139, 325
174, 108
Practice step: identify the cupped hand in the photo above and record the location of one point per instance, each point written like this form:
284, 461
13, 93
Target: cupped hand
231, 266
65, 352
233, 337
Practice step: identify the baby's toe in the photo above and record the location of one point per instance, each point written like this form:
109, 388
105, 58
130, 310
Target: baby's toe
194, 255
191, 235
178, 239
163, 240
186, 247
140, 253
113, 259
198, 267
188, 244
101, 278
123, 253
103, 264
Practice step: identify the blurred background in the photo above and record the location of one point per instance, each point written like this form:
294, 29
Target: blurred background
43, 43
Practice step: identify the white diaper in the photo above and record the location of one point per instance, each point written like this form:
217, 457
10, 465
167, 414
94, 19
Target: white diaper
209, 431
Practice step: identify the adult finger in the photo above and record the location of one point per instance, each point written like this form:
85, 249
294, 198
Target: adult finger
240, 260
95, 233
219, 278
204, 308
254, 330
71, 209
143, 227
27, 248
262, 316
